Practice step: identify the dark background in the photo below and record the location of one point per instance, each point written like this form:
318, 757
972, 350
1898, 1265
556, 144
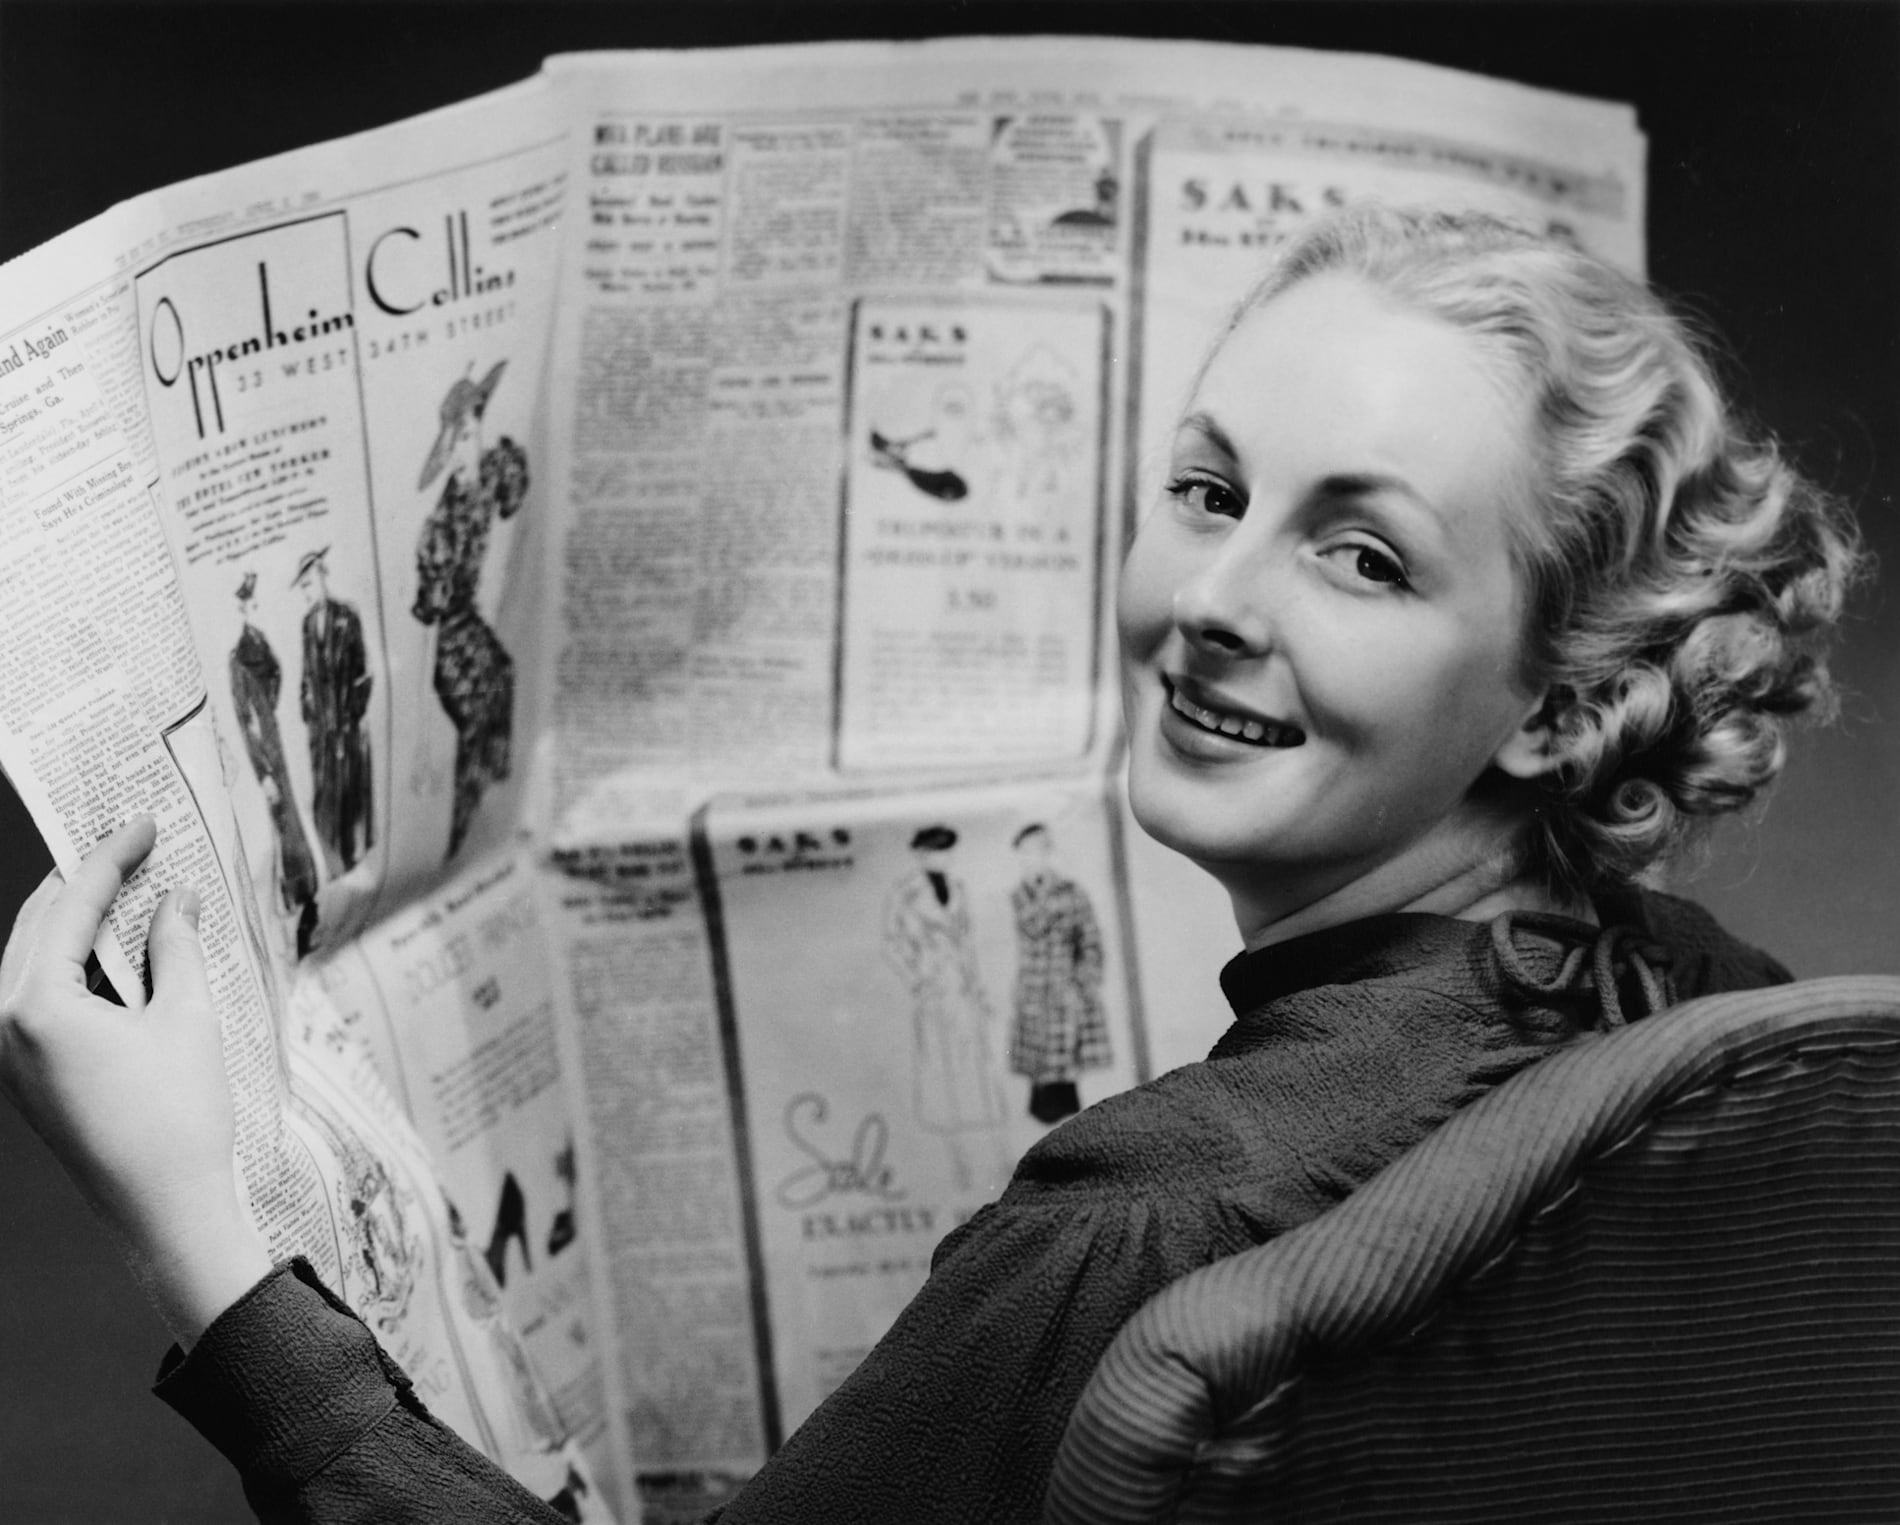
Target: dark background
1774, 168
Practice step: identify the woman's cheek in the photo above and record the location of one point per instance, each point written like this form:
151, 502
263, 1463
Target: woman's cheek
1135, 600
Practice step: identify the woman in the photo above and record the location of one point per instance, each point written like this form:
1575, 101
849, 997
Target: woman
474, 675
1464, 602
931, 943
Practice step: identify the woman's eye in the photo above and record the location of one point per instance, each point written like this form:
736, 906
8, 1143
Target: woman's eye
1206, 496
1373, 565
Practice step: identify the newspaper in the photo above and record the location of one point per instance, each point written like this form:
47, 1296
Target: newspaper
608, 592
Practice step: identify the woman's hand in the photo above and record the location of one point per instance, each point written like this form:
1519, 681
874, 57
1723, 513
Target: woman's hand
134, 1105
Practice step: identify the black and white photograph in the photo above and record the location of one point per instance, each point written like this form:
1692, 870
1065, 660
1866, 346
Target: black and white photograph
965, 763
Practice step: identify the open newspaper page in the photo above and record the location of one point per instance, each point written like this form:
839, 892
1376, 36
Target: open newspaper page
863, 360
103, 711
267, 536
865, 356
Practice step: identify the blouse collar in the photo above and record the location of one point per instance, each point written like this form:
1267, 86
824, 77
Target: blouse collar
1354, 950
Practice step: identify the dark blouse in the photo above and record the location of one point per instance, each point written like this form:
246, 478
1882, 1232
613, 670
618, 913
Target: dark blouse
1348, 1046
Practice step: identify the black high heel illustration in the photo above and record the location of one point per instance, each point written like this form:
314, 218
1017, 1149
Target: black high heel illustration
893, 455
567, 1503
511, 1222
561, 1235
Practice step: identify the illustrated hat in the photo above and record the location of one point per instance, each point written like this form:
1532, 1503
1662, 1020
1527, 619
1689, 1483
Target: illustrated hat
310, 559
248, 587
933, 839
465, 397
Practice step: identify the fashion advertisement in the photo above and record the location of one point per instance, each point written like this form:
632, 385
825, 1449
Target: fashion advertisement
972, 535
348, 465
917, 990
262, 490
399, 1249
450, 1001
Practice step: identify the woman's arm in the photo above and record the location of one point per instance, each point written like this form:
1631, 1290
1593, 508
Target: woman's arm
281, 1376
133, 1104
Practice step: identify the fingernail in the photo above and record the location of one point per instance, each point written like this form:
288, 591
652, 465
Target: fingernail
188, 906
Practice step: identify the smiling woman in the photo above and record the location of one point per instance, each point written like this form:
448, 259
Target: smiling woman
1330, 568
1464, 600
1466, 592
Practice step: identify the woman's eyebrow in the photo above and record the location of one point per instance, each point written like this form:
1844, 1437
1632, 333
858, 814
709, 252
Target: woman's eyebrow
1372, 484
1203, 424
1344, 487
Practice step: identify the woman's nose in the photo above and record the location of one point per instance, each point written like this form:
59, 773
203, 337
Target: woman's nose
1222, 609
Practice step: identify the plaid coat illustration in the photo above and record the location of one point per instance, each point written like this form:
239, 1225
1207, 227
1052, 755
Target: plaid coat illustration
1060, 1028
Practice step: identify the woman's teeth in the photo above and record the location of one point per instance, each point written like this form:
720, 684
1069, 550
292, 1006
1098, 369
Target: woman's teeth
1259, 732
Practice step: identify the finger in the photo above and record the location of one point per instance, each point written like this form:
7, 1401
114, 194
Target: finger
178, 960
70, 925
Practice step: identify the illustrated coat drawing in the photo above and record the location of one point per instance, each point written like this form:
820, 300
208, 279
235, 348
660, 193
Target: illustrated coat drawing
1060, 1028
336, 687
928, 937
256, 682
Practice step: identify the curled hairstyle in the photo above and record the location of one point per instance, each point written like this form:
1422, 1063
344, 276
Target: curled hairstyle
1680, 577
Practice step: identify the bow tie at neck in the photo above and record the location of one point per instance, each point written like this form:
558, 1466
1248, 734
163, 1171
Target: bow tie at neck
1618, 960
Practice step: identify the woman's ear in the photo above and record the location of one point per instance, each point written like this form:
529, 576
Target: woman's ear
1531, 750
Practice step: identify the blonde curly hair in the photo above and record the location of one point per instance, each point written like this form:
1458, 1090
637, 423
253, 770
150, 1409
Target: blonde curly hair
1680, 576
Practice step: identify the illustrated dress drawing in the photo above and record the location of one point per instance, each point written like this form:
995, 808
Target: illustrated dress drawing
474, 675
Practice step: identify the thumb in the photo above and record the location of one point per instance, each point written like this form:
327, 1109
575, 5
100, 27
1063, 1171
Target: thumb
177, 954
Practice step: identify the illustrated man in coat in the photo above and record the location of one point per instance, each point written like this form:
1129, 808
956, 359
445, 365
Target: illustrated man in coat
1060, 1028
256, 680
336, 684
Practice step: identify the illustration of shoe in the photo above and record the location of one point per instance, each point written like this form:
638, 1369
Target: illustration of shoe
561, 1234
511, 1223
942, 484
307, 929
567, 1503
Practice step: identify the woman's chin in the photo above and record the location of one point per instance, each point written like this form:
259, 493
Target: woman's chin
1196, 829
1210, 809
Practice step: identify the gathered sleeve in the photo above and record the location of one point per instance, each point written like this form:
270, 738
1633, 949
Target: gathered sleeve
325, 1429
439, 555
956, 1415
504, 474
1087, 936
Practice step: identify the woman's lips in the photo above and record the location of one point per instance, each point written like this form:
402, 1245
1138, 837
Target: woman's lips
1205, 712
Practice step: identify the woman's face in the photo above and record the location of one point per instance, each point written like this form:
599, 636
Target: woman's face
465, 452
1320, 618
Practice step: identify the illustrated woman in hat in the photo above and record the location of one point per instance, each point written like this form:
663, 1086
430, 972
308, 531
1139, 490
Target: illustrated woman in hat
474, 675
256, 681
1466, 600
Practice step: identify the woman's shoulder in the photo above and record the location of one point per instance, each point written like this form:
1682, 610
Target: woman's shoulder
1278, 1093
